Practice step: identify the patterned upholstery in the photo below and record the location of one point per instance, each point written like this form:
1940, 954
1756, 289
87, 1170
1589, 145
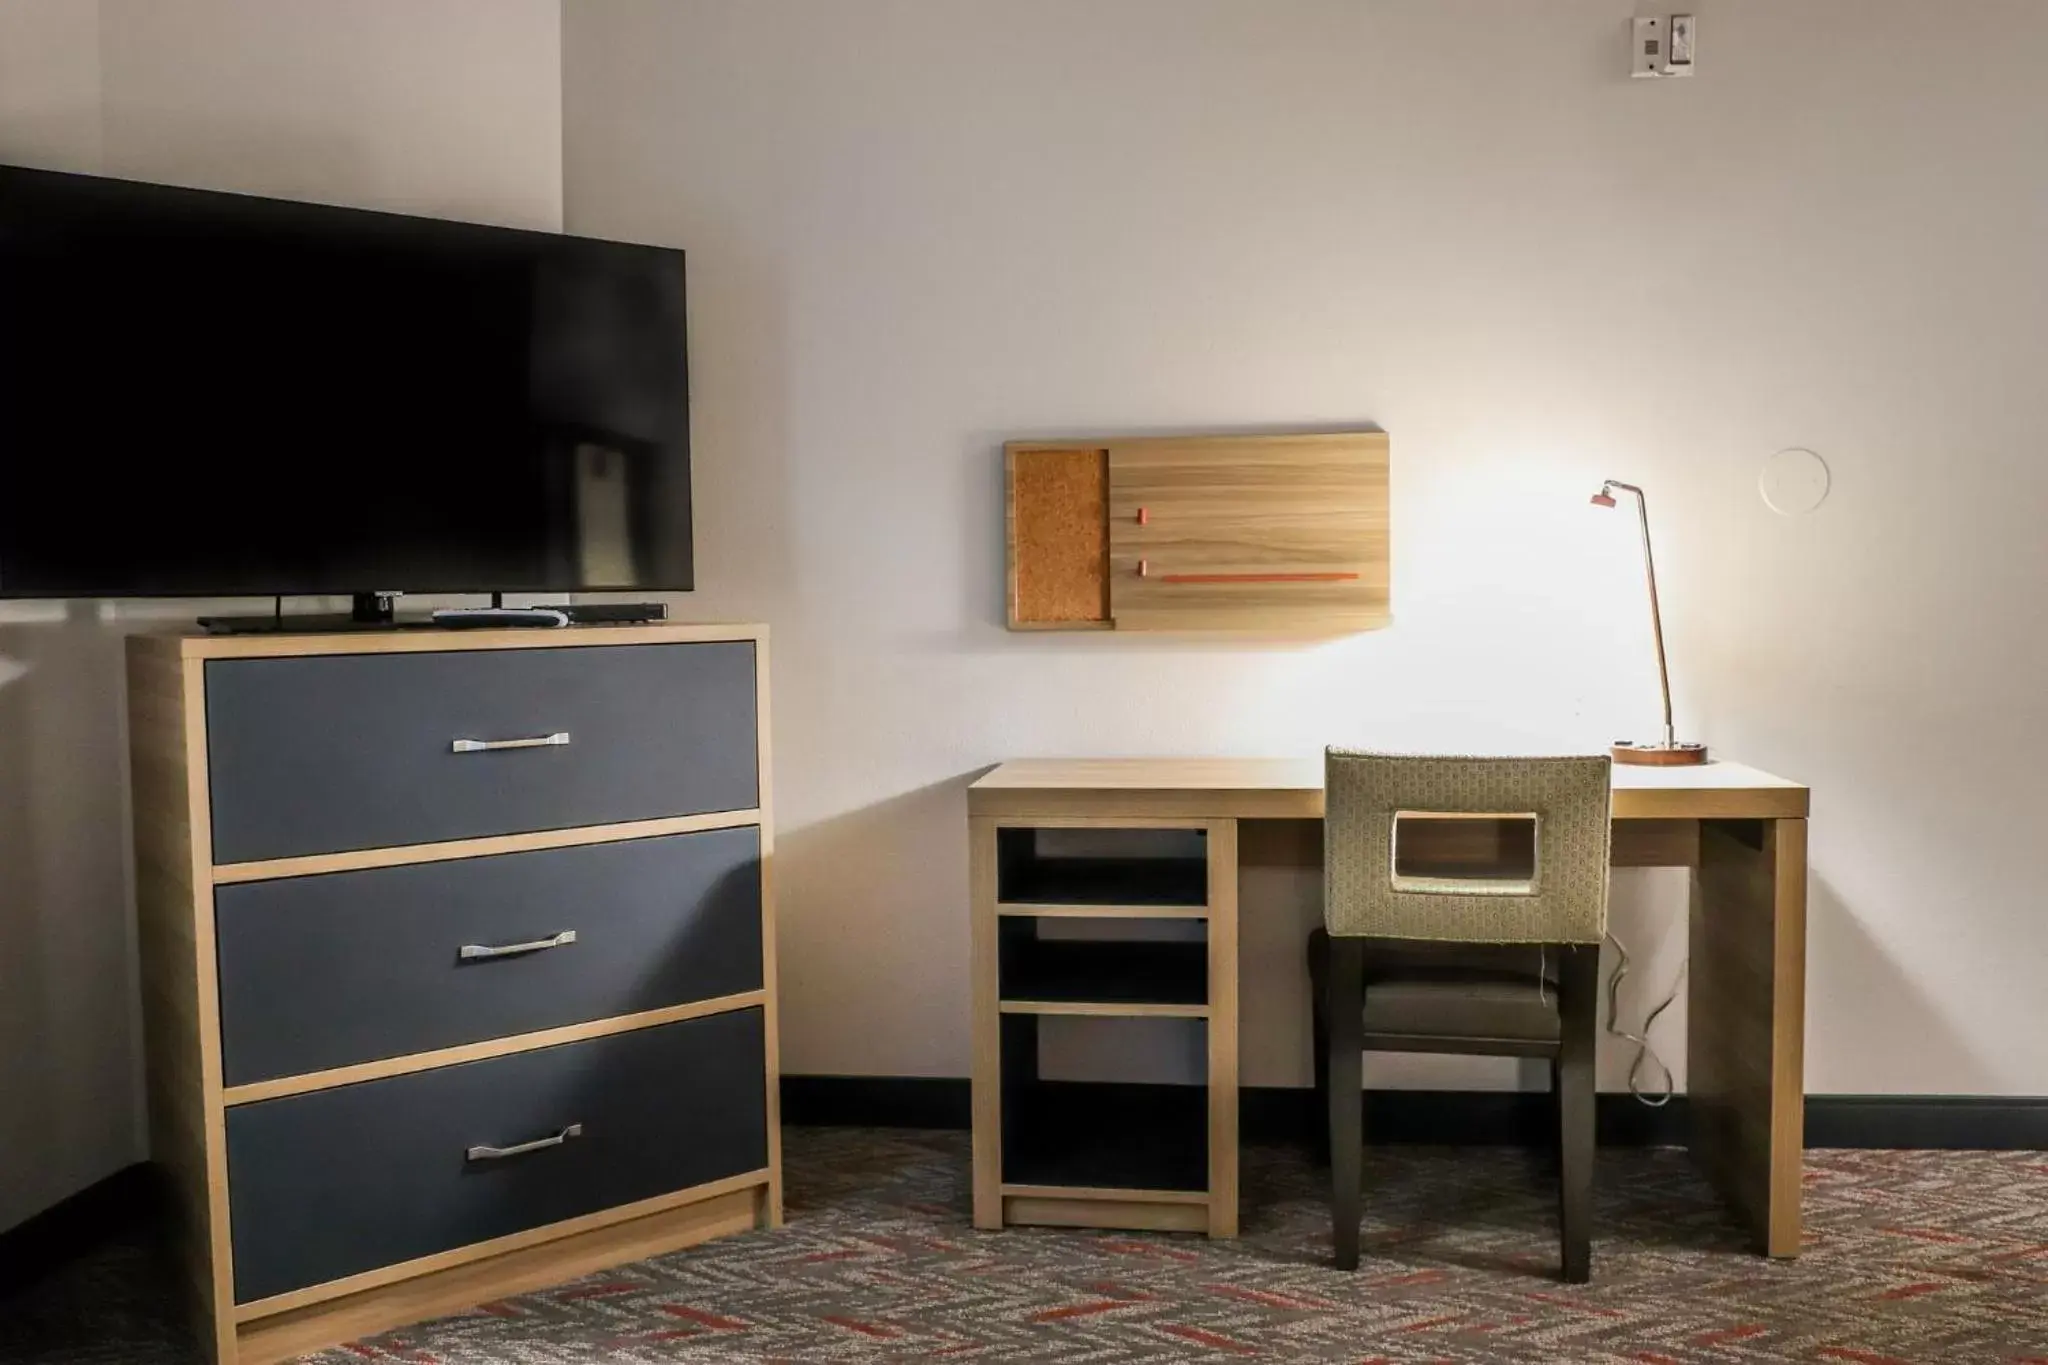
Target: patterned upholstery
1566, 902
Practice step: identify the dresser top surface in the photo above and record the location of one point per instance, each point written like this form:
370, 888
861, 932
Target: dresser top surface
431, 640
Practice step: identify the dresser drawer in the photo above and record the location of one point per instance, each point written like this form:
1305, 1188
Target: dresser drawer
319, 972
336, 1182
331, 753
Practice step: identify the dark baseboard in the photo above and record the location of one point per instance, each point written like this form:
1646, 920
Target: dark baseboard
1268, 1113
2003, 1123
1455, 1118
129, 1198
1476, 1117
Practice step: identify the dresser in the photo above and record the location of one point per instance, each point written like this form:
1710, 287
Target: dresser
457, 962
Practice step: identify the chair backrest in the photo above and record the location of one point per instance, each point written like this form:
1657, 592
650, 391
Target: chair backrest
1563, 900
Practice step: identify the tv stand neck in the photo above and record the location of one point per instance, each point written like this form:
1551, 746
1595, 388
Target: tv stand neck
367, 611
374, 608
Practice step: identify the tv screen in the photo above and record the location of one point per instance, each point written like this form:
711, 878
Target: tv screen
213, 394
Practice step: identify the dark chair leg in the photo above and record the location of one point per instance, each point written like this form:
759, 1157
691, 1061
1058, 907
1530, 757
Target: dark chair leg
1578, 991
1345, 1023
1319, 1027
1556, 1119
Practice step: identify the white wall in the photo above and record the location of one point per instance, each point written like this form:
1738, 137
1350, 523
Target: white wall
50, 83
919, 227
449, 107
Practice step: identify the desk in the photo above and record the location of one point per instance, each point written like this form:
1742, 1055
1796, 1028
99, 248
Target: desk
1742, 831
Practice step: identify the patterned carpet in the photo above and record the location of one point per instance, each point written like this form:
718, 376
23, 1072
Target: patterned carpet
1928, 1258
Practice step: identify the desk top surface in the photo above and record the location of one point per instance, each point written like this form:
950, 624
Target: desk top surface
1292, 788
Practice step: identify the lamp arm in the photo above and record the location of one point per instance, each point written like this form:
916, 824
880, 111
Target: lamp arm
1656, 616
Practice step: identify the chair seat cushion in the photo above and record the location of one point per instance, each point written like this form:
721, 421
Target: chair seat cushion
1524, 1010
1476, 991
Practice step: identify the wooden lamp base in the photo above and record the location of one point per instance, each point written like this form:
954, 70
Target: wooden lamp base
1658, 755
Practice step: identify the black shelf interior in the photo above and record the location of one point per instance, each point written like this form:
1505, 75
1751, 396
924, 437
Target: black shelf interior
1027, 876
1120, 972
1124, 1137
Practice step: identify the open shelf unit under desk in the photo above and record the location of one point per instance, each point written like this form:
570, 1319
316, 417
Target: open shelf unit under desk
1161, 898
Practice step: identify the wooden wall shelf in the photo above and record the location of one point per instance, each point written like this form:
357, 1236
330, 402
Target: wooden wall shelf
1276, 534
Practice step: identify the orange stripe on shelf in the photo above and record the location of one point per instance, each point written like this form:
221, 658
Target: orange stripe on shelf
1256, 577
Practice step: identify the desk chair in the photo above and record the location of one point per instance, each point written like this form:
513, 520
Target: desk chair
1418, 954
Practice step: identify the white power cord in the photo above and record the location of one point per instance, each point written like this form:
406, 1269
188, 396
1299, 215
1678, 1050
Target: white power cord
1644, 1051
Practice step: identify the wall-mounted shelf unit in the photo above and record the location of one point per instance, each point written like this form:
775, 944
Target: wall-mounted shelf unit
1277, 534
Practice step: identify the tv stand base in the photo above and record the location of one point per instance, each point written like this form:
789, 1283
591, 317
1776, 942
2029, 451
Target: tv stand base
373, 611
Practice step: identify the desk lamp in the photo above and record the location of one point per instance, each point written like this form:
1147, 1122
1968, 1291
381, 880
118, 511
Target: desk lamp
1669, 752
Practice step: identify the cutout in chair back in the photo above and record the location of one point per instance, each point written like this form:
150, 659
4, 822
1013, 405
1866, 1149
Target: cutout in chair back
1456, 853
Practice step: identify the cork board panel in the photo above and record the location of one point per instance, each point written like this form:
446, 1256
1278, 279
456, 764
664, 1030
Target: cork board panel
1058, 537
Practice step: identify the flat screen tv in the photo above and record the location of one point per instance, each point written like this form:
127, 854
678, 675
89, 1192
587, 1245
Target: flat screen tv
211, 394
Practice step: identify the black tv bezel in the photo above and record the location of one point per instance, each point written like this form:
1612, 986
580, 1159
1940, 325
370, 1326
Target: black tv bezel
343, 212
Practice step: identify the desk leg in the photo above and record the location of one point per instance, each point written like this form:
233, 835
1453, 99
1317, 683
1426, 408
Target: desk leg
987, 1029
1746, 1021
1222, 1028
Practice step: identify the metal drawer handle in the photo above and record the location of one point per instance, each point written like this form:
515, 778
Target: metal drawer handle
500, 1153
484, 746
471, 951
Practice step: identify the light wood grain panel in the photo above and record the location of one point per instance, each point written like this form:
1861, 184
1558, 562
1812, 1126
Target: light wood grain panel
1226, 514
771, 1005
281, 1086
1169, 806
1133, 820
1746, 1020
430, 641
1223, 1042
1655, 843
174, 936
1077, 1210
643, 1231
1788, 1036
1105, 1195
355, 860
986, 1026
1029, 910
1169, 790
1094, 1009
